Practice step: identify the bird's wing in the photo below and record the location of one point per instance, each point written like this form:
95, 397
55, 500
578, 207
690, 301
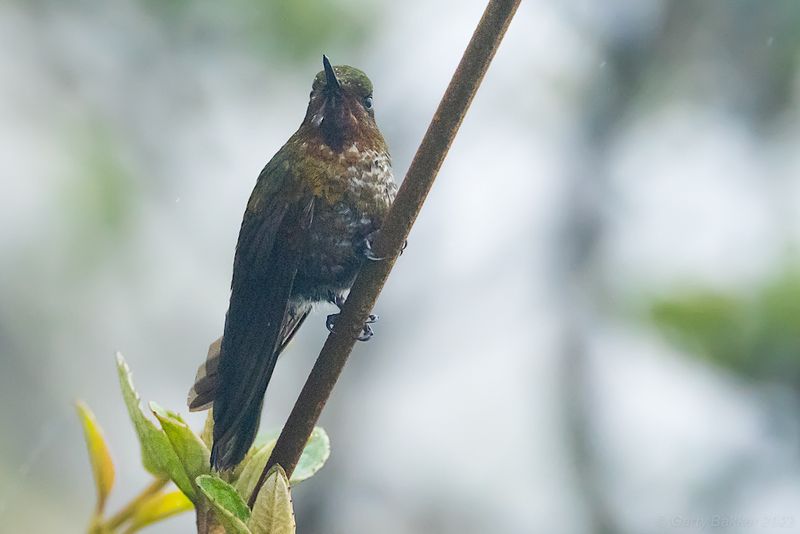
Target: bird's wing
271, 241
294, 320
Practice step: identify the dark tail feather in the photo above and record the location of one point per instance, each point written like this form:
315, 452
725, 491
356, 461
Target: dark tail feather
206, 381
201, 396
232, 444
238, 401
230, 448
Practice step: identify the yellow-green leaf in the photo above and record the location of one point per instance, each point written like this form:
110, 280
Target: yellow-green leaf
99, 456
192, 452
262, 438
159, 507
158, 457
252, 466
268, 437
229, 507
273, 512
315, 454
207, 435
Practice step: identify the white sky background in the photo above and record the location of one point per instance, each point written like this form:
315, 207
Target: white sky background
449, 420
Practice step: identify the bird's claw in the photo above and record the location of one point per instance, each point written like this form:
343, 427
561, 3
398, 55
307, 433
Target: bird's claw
369, 253
366, 333
366, 330
330, 322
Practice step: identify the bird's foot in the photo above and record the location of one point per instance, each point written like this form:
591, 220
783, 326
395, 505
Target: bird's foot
366, 333
330, 322
369, 253
366, 330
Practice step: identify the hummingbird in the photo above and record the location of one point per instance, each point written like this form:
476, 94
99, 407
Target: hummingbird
307, 230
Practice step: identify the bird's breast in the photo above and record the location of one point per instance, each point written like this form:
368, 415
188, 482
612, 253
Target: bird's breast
352, 206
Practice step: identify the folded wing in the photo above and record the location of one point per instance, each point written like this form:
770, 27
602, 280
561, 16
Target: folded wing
257, 324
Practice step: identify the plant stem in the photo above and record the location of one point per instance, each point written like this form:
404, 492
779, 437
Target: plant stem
129, 509
407, 205
206, 520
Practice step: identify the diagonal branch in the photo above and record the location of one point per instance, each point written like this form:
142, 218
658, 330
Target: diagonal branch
410, 197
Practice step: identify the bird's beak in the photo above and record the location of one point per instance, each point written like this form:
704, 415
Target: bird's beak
332, 97
332, 82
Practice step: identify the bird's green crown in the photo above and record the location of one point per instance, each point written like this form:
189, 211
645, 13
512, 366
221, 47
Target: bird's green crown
350, 78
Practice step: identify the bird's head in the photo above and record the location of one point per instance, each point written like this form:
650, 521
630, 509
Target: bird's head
340, 106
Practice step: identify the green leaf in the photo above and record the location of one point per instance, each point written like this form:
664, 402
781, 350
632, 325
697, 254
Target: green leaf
231, 511
159, 507
207, 435
158, 457
315, 454
99, 456
752, 331
268, 437
252, 466
192, 452
273, 512
265, 437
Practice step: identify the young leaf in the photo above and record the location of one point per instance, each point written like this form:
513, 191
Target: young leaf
207, 435
232, 512
159, 507
272, 512
315, 454
266, 436
192, 452
99, 456
251, 468
157, 454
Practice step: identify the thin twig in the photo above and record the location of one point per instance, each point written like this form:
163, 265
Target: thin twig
129, 509
395, 230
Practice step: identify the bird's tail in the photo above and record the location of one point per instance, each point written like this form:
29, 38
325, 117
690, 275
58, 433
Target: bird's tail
231, 446
206, 381
204, 389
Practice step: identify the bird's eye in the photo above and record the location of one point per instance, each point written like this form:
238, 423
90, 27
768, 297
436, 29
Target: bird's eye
368, 102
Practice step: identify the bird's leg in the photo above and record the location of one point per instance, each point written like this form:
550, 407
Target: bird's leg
370, 254
337, 299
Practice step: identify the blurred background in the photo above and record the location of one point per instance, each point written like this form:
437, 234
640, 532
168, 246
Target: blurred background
595, 327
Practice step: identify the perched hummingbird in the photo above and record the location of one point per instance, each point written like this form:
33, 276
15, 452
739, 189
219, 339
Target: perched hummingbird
306, 232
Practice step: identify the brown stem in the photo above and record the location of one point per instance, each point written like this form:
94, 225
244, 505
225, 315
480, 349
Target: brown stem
418, 181
206, 521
